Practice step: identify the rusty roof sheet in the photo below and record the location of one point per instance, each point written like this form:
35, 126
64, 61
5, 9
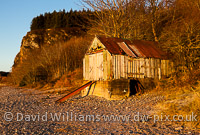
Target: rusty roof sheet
111, 45
139, 48
126, 49
135, 49
148, 49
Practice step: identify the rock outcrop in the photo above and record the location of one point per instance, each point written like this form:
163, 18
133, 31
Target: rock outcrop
37, 38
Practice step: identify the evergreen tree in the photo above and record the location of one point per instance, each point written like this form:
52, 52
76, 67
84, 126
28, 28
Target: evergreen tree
62, 19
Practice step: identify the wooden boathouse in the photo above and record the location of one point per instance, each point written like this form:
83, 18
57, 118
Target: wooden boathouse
116, 64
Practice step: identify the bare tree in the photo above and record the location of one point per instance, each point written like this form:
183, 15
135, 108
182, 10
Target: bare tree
133, 19
182, 35
113, 16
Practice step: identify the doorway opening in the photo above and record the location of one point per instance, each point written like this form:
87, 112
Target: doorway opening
135, 87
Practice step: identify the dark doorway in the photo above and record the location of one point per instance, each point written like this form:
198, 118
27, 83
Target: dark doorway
135, 87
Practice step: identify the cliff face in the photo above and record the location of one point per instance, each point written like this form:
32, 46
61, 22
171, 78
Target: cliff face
37, 38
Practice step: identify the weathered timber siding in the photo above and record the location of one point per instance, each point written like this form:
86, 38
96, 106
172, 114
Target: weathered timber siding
119, 64
166, 67
106, 65
96, 66
86, 67
127, 67
103, 66
109, 66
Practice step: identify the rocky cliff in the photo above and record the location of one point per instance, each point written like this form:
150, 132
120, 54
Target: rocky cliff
37, 38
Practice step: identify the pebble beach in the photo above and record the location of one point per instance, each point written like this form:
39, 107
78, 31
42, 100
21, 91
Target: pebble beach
28, 111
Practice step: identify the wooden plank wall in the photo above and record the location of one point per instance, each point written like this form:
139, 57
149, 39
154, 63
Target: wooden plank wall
119, 66
126, 67
109, 66
99, 66
86, 67
104, 66
166, 67
93, 67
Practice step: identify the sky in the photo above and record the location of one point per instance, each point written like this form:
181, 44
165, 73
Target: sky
15, 21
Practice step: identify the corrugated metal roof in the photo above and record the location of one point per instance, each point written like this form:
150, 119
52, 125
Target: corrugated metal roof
111, 45
148, 49
139, 48
126, 49
140, 54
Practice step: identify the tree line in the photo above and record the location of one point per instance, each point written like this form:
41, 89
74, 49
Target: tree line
62, 19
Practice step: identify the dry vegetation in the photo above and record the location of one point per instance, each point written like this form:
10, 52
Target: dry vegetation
182, 97
182, 101
49, 63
